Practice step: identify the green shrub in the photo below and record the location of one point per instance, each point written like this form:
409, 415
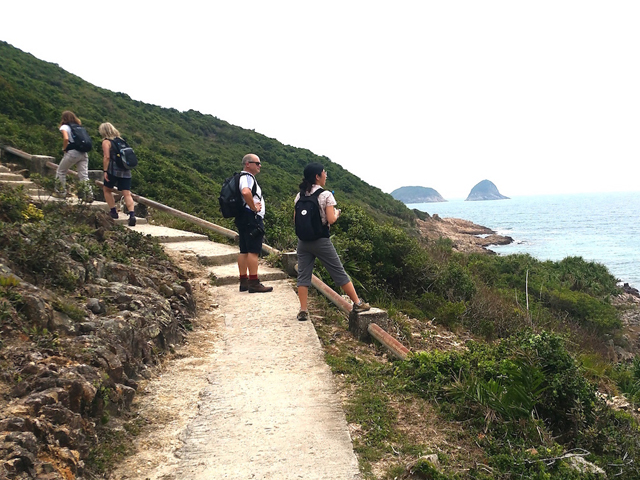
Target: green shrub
587, 310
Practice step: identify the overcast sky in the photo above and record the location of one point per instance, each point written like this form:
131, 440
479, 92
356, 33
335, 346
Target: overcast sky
538, 97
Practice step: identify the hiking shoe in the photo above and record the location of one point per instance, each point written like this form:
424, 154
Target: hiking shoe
303, 315
361, 306
244, 284
256, 287
59, 195
132, 220
113, 213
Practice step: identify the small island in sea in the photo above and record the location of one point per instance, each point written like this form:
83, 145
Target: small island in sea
417, 195
485, 190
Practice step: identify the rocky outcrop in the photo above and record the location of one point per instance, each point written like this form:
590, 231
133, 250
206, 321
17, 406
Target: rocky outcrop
417, 195
466, 236
71, 362
485, 190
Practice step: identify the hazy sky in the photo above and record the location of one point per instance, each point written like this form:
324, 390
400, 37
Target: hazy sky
538, 97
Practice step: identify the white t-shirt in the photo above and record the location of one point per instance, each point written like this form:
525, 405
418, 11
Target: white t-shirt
246, 181
325, 199
67, 128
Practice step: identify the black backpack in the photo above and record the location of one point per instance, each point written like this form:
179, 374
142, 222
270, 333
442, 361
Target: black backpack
81, 139
230, 198
123, 154
309, 225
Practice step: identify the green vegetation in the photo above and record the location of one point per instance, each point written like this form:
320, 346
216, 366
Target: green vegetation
515, 400
31, 239
184, 156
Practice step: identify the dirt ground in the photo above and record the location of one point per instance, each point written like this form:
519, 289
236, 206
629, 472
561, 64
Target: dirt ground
170, 400
249, 396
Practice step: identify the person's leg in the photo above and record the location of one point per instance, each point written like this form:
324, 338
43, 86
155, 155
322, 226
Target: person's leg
242, 264
303, 295
108, 196
61, 173
128, 201
306, 261
254, 247
242, 257
350, 290
252, 265
331, 261
85, 189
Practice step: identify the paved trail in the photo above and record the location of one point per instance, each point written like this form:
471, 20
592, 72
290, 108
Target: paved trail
251, 397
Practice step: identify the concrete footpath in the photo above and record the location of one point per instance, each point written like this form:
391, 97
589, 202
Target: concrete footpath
250, 395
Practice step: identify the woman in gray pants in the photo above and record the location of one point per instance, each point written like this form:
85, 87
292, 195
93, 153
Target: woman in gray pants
70, 158
315, 178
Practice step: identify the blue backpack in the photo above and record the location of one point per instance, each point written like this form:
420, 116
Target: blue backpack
123, 154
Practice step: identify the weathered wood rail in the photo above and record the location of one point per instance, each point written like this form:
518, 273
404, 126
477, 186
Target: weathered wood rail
364, 326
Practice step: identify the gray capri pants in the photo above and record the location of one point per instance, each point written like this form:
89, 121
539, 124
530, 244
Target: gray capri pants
324, 250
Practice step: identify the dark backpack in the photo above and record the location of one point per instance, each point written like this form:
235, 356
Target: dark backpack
309, 225
81, 139
123, 154
231, 202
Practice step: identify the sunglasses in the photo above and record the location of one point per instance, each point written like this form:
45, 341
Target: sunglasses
257, 163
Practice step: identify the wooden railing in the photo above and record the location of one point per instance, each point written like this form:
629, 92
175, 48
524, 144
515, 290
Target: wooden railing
361, 329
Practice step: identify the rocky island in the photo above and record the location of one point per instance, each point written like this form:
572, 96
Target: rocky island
485, 190
417, 195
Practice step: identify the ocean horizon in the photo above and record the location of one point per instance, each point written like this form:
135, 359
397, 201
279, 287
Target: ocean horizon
599, 227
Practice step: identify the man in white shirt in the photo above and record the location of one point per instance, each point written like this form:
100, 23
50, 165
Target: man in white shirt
250, 225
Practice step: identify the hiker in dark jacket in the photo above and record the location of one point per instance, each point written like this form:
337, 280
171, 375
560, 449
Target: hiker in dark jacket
115, 176
70, 158
315, 178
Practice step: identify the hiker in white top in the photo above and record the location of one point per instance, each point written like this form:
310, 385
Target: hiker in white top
250, 223
315, 178
71, 158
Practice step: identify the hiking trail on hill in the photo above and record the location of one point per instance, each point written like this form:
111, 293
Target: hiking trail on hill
249, 395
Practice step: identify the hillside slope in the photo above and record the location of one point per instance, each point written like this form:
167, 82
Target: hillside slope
184, 156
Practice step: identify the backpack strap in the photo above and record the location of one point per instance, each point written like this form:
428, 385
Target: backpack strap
254, 189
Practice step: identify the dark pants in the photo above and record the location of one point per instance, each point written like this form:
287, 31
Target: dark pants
251, 231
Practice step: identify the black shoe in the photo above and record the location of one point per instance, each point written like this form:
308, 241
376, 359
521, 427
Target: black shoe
244, 284
113, 213
303, 316
132, 220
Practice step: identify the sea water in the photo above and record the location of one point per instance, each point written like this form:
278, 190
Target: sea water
599, 227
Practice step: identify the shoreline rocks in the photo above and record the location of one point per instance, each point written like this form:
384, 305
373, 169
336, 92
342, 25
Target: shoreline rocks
466, 236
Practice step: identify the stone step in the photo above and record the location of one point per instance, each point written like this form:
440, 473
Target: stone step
228, 274
12, 177
207, 253
4, 169
17, 183
44, 196
169, 235
124, 220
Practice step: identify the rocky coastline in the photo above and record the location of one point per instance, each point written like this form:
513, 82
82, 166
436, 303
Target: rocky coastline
467, 237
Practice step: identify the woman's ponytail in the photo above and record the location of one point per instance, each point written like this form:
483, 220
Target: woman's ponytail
310, 172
